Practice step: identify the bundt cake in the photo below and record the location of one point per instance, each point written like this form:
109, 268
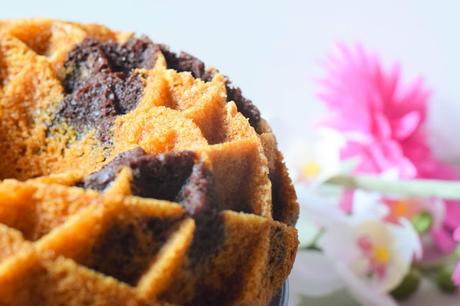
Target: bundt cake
132, 175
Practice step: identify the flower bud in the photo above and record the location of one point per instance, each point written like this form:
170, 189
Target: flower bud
444, 279
422, 222
408, 286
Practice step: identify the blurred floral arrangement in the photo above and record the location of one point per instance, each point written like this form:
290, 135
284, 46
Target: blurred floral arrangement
385, 209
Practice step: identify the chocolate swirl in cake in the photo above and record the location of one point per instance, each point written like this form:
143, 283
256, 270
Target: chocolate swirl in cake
133, 176
100, 82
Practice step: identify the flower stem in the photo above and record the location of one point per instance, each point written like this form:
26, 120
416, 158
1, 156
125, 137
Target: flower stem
313, 246
449, 190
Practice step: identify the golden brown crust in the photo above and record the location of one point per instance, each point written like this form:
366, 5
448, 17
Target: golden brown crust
54, 237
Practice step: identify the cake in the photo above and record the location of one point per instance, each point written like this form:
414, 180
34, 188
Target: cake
133, 175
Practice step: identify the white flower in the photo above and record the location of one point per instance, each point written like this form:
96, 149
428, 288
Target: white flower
312, 162
370, 255
315, 160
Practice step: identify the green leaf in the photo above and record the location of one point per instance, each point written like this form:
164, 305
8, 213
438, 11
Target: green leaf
457, 252
422, 222
408, 286
444, 279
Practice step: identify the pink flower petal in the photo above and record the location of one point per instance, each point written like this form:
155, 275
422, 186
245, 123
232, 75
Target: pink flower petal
444, 240
382, 128
456, 275
457, 234
452, 219
346, 202
406, 125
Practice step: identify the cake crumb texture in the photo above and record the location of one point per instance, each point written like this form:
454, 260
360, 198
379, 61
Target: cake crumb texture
132, 175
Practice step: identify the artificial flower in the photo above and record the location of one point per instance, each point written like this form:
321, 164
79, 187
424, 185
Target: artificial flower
412, 208
378, 122
312, 162
395, 209
371, 255
385, 116
316, 159
384, 120
444, 235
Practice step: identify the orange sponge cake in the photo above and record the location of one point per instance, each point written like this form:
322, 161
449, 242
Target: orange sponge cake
132, 175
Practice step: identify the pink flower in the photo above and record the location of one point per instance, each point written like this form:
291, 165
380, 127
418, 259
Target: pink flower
383, 118
383, 122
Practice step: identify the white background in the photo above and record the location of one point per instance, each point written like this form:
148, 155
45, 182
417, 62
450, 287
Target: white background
272, 48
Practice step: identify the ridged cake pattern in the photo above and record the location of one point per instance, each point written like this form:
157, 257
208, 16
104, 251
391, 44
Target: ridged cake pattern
133, 176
